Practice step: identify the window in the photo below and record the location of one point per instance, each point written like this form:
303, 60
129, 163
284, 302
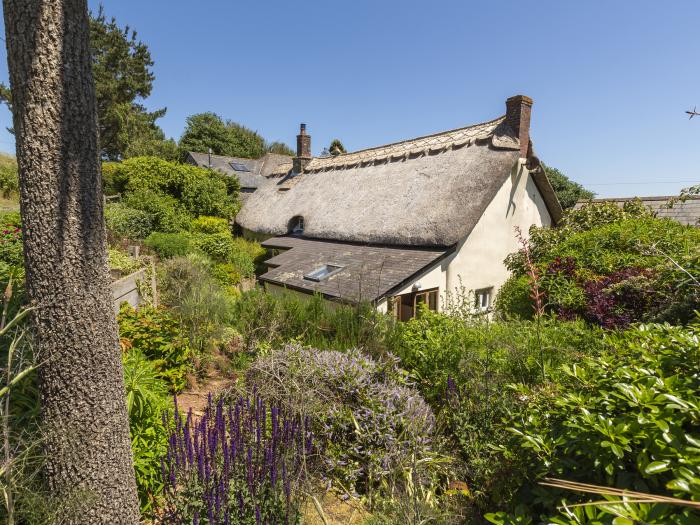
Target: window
238, 166
296, 225
323, 273
482, 299
405, 307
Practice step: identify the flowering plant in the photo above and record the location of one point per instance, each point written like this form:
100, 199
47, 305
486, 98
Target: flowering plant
240, 463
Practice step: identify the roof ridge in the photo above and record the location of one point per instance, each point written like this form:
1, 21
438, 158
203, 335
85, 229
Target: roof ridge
430, 135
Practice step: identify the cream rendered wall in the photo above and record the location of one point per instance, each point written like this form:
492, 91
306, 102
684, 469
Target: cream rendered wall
478, 260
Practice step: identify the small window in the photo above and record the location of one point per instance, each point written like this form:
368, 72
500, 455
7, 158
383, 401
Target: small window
483, 299
323, 273
238, 166
296, 225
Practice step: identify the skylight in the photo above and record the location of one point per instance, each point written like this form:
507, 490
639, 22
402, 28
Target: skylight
323, 273
238, 166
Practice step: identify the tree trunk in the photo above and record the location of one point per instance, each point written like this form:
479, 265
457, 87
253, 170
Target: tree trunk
88, 450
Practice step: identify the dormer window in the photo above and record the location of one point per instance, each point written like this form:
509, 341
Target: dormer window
296, 225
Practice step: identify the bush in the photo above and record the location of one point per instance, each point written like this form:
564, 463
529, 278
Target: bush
627, 419
202, 305
204, 224
610, 266
129, 223
167, 213
9, 180
463, 368
368, 419
147, 401
218, 246
122, 261
198, 191
159, 337
273, 319
240, 463
168, 245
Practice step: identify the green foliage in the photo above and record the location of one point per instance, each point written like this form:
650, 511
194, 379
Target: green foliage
266, 319
9, 180
168, 245
627, 419
568, 192
611, 266
126, 222
336, 147
202, 305
208, 130
462, 368
146, 400
204, 224
280, 148
122, 261
159, 336
218, 246
122, 69
174, 193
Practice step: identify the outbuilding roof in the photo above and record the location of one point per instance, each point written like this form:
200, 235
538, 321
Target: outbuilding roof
685, 211
427, 191
367, 272
255, 170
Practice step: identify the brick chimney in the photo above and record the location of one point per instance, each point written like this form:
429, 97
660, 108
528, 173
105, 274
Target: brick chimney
518, 110
303, 150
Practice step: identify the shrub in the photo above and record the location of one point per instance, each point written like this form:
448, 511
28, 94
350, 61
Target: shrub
168, 245
611, 266
158, 335
240, 463
266, 319
122, 261
218, 246
202, 305
204, 224
167, 213
627, 419
130, 223
197, 190
368, 419
147, 401
463, 368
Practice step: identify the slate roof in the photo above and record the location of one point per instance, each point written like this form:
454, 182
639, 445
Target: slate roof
687, 212
427, 191
369, 272
258, 169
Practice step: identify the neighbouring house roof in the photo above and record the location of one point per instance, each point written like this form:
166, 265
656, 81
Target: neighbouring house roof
685, 211
427, 191
369, 272
257, 169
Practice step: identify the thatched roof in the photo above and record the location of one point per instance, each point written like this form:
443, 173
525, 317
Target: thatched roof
250, 178
368, 272
428, 191
686, 211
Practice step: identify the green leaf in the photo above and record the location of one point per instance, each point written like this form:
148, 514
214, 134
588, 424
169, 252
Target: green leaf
656, 467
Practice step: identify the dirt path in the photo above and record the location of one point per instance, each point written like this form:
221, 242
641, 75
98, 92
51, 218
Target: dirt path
196, 398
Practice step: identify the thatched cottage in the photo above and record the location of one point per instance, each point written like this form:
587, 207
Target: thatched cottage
403, 223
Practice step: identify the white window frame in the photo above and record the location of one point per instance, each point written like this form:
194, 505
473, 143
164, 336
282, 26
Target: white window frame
480, 295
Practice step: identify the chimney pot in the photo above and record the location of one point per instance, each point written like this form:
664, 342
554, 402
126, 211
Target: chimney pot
518, 109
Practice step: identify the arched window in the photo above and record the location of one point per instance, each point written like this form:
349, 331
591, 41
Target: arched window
296, 225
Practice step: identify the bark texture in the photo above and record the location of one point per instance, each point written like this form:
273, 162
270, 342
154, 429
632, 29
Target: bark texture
88, 448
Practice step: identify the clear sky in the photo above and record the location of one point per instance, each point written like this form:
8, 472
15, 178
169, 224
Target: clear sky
610, 79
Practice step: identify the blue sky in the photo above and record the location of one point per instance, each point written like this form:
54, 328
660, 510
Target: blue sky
610, 80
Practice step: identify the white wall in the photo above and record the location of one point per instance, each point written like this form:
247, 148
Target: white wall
478, 260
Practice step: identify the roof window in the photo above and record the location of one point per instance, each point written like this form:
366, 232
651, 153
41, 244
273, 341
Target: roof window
238, 166
296, 225
323, 273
